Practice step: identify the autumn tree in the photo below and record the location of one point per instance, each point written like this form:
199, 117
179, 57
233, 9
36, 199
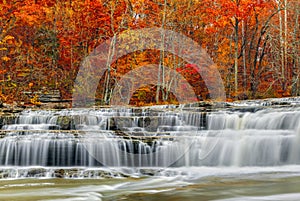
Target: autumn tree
255, 44
20, 20
285, 45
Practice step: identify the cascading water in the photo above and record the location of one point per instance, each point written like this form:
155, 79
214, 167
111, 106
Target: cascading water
152, 137
109, 137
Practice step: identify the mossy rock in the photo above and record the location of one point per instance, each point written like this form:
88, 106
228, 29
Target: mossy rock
64, 122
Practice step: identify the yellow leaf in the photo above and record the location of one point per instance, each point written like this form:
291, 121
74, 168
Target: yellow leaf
5, 58
8, 37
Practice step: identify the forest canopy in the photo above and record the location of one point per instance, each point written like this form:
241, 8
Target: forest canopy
254, 43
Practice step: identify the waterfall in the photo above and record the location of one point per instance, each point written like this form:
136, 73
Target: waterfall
152, 137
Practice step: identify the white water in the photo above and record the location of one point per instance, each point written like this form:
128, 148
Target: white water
269, 137
223, 155
193, 183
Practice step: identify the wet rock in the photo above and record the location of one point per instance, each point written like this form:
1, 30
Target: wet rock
78, 120
246, 109
149, 123
112, 124
144, 122
64, 122
202, 104
4, 175
72, 173
6, 119
121, 123
96, 174
36, 172
53, 127
148, 172
60, 173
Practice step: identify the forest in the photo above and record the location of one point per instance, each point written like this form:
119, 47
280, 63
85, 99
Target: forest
255, 45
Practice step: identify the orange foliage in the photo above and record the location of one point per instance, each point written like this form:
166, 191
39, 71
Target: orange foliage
42, 44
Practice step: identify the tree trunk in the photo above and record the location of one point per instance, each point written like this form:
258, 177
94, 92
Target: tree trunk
295, 56
244, 57
161, 70
236, 55
281, 46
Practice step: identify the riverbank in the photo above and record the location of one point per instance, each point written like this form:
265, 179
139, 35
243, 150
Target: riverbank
67, 104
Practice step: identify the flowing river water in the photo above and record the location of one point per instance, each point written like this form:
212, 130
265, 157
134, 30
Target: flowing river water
244, 151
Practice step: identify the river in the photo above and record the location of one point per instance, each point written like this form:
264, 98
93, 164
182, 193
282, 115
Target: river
194, 183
